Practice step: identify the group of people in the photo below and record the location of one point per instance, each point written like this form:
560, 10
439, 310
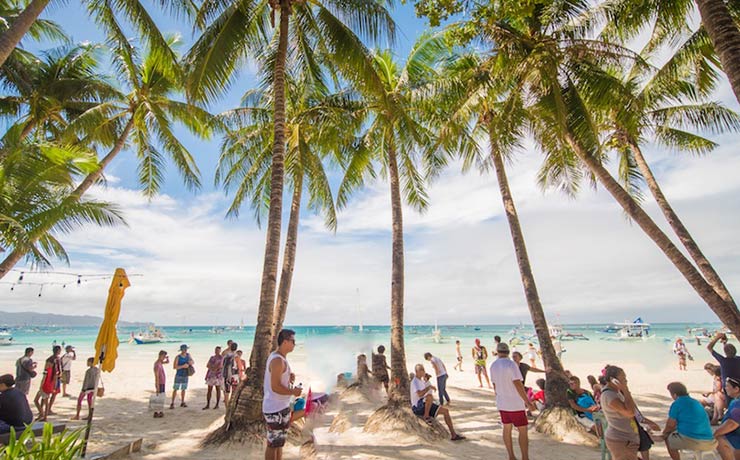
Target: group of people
15, 410
224, 370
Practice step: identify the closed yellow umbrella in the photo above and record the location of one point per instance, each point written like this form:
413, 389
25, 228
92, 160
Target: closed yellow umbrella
107, 343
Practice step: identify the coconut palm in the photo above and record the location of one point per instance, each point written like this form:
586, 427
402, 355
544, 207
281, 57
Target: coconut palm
105, 14
48, 91
318, 124
561, 76
36, 182
146, 115
670, 19
401, 140
478, 95
665, 103
238, 30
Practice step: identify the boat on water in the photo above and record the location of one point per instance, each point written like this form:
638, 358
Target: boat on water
6, 338
699, 333
568, 336
153, 335
633, 331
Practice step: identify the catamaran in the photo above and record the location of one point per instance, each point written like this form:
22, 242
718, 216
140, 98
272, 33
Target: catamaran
635, 330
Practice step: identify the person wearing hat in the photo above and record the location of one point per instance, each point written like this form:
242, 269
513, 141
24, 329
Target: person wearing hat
14, 409
182, 364
511, 400
67, 358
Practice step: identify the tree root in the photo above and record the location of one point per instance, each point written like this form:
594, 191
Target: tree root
394, 418
560, 424
340, 423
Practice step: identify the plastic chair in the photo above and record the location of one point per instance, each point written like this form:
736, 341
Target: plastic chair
699, 454
600, 421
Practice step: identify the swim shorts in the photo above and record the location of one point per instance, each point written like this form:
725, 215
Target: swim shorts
277, 427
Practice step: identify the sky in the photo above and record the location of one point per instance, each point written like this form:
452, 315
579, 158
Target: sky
592, 265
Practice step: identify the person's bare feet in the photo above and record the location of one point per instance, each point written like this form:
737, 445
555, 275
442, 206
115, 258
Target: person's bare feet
216, 406
76, 417
51, 413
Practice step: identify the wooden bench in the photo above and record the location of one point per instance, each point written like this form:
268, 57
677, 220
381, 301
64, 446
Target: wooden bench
38, 429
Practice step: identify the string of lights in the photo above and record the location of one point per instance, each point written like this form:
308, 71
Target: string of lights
80, 278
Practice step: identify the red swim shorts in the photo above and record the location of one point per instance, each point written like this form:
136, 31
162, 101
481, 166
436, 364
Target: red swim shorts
518, 418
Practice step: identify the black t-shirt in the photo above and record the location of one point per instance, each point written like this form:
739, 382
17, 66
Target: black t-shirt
14, 408
729, 367
524, 368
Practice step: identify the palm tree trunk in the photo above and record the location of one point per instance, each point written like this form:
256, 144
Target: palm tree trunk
245, 406
727, 313
680, 229
11, 37
725, 36
399, 385
18, 253
557, 383
286, 276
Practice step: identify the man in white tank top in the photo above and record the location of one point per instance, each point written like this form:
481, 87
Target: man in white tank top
278, 387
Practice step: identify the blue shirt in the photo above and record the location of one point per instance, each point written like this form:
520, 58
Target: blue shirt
729, 367
691, 419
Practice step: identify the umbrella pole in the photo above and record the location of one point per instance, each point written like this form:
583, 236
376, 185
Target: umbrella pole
92, 405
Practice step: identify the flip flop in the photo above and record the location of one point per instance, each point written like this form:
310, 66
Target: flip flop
458, 437
428, 420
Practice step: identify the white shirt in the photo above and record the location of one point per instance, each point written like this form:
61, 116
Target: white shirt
504, 372
67, 359
273, 402
439, 366
418, 385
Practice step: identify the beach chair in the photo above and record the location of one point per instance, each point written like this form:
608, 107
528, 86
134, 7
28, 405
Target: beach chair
600, 421
38, 429
699, 454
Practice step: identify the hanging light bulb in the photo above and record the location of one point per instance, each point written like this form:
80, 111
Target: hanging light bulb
79, 279
20, 278
64, 286
41, 289
12, 287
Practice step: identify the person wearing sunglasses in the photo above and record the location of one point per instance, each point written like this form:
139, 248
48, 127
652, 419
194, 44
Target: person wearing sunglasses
279, 391
728, 433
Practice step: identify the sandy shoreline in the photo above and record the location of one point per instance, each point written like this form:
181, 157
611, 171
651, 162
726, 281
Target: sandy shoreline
122, 414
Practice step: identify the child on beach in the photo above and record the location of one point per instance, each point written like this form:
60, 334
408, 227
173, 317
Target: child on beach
160, 377
458, 366
363, 372
89, 385
241, 366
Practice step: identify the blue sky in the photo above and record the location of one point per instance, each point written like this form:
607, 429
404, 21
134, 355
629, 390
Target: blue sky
591, 264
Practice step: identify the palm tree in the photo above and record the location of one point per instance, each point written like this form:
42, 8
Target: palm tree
654, 110
104, 13
36, 182
318, 124
400, 138
146, 115
50, 90
670, 19
477, 91
238, 30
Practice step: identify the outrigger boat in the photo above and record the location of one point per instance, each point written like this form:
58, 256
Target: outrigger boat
636, 330
5, 337
153, 335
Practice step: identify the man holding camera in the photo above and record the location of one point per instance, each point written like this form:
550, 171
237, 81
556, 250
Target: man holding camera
730, 363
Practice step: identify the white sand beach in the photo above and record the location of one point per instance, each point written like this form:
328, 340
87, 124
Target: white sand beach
121, 415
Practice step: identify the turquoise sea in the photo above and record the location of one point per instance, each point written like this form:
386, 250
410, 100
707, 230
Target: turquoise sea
343, 342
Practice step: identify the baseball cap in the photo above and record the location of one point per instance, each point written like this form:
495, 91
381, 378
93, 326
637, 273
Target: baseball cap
183, 347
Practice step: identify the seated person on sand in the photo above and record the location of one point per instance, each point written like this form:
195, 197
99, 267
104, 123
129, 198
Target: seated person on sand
687, 427
14, 410
728, 433
538, 397
422, 401
583, 404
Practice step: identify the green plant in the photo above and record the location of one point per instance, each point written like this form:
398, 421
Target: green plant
61, 446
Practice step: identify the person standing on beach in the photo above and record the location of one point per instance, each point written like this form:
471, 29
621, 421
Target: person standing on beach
214, 377
480, 354
441, 372
182, 365
160, 378
730, 363
511, 400
230, 372
458, 366
278, 388
55, 363
380, 368
622, 435
524, 368
67, 358
679, 349
89, 386
241, 366
532, 354
25, 370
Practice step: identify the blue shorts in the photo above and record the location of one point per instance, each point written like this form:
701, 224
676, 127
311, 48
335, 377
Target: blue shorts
418, 409
181, 383
733, 438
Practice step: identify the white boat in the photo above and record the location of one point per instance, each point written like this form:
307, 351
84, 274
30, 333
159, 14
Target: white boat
633, 331
153, 335
5, 337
